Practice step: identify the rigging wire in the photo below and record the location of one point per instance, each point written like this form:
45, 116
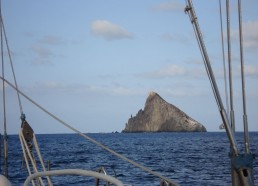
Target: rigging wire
11, 62
234, 176
192, 16
4, 104
247, 150
224, 61
243, 174
89, 138
232, 117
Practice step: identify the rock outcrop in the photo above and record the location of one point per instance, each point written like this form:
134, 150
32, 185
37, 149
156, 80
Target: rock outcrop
161, 116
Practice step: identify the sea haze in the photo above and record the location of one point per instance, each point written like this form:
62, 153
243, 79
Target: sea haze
187, 158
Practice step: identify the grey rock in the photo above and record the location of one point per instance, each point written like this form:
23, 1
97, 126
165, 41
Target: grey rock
161, 116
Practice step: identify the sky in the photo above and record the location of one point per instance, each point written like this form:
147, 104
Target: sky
93, 63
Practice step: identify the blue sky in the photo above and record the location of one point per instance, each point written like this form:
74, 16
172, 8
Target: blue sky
93, 63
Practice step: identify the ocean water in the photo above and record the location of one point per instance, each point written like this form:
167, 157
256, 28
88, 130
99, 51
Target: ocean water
190, 159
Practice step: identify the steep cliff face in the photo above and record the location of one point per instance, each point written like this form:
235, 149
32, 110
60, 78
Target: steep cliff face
160, 116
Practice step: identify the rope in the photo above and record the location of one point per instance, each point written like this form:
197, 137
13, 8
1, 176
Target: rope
25, 157
32, 160
89, 138
40, 158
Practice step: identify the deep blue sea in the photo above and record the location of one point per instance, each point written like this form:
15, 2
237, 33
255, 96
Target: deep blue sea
190, 159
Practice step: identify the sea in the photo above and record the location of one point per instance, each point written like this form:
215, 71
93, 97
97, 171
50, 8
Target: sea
189, 159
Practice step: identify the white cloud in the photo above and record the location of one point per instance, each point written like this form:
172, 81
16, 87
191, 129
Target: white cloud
84, 89
167, 37
43, 49
251, 70
250, 30
118, 90
109, 31
115, 90
168, 71
169, 7
52, 40
42, 54
55, 85
48, 85
250, 34
180, 38
184, 91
